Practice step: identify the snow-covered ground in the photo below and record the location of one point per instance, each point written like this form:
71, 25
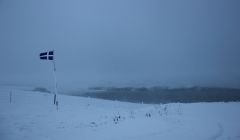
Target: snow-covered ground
32, 116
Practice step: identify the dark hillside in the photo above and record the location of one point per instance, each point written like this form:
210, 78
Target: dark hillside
167, 95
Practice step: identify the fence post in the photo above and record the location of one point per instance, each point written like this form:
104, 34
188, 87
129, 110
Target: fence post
10, 97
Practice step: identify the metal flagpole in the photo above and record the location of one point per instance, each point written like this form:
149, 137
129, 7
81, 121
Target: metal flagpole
50, 56
55, 81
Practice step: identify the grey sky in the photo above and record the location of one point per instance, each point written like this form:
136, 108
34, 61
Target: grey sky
114, 42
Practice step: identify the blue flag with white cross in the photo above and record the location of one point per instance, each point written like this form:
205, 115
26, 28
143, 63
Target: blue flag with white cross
47, 55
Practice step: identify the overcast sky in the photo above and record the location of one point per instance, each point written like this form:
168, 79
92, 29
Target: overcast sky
121, 42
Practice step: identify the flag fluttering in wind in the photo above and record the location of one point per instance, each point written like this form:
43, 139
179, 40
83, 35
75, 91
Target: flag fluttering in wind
50, 56
47, 55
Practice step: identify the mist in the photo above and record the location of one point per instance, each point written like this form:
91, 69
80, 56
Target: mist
121, 43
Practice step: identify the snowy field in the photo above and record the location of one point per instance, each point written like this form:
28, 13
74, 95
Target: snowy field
32, 116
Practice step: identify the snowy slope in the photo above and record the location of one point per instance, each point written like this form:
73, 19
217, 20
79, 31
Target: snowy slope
32, 116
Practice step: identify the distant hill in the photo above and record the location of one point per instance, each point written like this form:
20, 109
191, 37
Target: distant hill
41, 89
165, 94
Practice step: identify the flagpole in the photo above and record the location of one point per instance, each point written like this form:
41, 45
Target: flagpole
50, 56
55, 81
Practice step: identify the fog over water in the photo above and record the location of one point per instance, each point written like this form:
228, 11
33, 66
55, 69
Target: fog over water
121, 42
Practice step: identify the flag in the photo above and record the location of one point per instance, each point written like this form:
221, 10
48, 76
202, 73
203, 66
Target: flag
47, 55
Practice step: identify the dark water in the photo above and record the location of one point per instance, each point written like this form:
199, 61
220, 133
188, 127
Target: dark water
166, 95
